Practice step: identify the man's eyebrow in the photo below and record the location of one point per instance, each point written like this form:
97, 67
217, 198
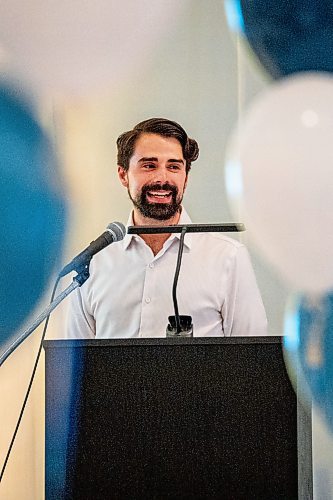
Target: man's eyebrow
176, 161
154, 158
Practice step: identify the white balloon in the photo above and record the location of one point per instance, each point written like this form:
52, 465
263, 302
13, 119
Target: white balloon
77, 46
279, 176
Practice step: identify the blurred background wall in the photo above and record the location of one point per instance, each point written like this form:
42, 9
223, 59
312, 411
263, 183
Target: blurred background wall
197, 75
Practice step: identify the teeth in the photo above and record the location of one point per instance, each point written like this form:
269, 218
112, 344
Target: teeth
162, 195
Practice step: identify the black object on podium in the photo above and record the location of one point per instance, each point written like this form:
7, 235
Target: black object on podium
183, 418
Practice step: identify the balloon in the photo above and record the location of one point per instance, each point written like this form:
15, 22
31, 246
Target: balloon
287, 37
32, 212
308, 348
234, 14
69, 46
279, 177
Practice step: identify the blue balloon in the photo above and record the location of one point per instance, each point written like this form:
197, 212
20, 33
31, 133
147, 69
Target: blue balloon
32, 212
287, 37
308, 345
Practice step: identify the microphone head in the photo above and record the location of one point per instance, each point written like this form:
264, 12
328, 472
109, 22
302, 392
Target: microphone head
117, 230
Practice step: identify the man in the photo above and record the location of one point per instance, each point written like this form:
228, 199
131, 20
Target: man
129, 292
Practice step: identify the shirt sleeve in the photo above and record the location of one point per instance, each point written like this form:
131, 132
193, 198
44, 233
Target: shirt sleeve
243, 311
80, 324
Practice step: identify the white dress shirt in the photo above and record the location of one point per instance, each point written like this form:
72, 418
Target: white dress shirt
129, 292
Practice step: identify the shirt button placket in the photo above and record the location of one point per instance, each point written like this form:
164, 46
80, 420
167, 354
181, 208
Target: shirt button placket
147, 319
150, 266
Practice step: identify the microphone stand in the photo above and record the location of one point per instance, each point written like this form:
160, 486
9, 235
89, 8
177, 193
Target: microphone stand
82, 276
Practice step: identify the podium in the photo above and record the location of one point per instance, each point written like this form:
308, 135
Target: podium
198, 418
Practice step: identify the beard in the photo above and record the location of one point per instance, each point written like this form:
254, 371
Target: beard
158, 211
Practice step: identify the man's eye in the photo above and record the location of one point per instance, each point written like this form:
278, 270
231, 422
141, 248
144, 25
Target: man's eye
149, 166
174, 167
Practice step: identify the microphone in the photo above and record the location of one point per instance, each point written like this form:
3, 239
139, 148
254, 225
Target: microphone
114, 232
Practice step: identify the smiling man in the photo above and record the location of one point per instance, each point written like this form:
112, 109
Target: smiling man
129, 292
157, 182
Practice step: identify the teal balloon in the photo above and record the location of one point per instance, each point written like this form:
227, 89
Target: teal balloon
308, 344
287, 37
32, 212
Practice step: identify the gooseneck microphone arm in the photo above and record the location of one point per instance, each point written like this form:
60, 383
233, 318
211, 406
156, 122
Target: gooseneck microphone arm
175, 280
182, 325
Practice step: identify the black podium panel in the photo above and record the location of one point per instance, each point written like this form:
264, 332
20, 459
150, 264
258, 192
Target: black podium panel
163, 418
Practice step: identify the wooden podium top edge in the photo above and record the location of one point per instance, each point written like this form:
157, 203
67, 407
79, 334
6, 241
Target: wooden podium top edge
120, 342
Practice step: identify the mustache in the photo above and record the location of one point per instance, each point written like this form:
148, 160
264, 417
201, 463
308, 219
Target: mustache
159, 187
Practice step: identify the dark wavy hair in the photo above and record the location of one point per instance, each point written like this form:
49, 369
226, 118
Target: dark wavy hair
161, 126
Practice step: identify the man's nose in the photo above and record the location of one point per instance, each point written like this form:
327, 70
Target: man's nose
161, 175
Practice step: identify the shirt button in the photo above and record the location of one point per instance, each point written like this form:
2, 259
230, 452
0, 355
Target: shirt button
147, 300
151, 265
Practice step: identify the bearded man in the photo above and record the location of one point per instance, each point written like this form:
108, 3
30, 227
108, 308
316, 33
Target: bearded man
129, 292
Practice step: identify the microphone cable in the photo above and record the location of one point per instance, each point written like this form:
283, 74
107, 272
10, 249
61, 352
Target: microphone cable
115, 231
30, 383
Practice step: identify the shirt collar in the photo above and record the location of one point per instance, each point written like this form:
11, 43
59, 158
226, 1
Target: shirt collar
184, 219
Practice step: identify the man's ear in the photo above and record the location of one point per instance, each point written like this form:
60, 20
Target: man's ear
123, 177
